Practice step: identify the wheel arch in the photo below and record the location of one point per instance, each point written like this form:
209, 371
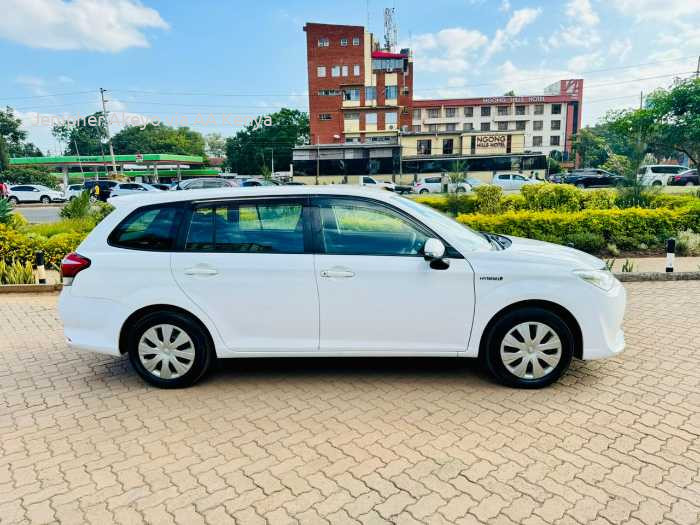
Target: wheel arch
123, 331
558, 309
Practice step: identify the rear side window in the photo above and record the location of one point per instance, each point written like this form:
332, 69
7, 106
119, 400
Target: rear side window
152, 229
247, 228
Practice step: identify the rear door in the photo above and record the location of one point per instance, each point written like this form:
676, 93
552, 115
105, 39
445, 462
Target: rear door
26, 193
248, 264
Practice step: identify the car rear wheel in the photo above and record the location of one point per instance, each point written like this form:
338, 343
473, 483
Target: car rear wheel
581, 186
424, 191
657, 183
528, 348
13, 200
45, 199
690, 183
460, 190
169, 349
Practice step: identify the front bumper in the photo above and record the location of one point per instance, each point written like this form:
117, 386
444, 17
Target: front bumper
602, 326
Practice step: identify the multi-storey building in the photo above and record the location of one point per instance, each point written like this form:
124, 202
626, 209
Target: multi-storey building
357, 92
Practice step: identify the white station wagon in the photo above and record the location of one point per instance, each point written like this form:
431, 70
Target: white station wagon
174, 279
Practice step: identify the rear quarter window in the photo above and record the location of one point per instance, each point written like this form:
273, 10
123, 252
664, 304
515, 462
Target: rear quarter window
153, 228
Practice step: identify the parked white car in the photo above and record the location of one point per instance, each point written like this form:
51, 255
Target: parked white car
131, 188
434, 185
73, 191
658, 174
22, 193
328, 271
371, 182
512, 181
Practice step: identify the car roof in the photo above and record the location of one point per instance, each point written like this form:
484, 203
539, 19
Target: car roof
136, 201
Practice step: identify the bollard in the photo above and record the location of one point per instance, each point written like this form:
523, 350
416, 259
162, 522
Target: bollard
670, 254
40, 270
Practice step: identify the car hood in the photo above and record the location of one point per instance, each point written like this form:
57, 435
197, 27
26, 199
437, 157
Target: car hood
554, 254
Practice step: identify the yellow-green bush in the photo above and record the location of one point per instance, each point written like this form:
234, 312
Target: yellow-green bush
563, 197
603, 199
627, 228
22, 246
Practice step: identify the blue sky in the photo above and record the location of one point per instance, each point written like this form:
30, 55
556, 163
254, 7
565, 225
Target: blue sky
247, 58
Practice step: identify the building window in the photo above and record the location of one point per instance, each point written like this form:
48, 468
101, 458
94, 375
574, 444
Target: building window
370, 93
519, 110
520, 125
424, 147
405, 91
387, 64
344, 42
416, 114
324, 116
356, 70
537, 140
451, 127
502, 126
539, 109
356, 41
351, 94
468, 126
485, 111
432, 128
328, 92
503, 111
485, 126
323, 42
537, 125
344, 71
391, 92
321, 71
371, 118
335, 71
450, 112
469, 111
447, 146
433, 113
554, 140
416, 129
556, 109
556, 124
390, 119
352, 115
352, 140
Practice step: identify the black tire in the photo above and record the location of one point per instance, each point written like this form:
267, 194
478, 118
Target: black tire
203, 351
581, 186
13, 200
656, 183
424, 191
460, 190
690, 183
490, 354
45, 199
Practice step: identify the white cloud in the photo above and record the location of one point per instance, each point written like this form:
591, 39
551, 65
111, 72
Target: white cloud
584, 62
505, 6
96, 25
518, 21
619, 49
449, 50
582, 11
34, 84
582, 32
63, 79
657, 10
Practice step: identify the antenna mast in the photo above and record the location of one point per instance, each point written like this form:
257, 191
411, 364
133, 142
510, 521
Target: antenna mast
390, 29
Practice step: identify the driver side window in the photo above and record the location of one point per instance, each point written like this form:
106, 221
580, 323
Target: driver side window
357, 227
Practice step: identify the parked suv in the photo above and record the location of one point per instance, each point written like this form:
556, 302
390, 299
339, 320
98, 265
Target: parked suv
328, 271
21, 193
434, 185
203, 183
658, 175
591, 178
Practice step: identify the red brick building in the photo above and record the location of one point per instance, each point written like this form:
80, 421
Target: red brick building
357, 92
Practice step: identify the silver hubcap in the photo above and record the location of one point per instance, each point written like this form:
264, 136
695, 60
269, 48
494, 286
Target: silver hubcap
166, 351
531, 350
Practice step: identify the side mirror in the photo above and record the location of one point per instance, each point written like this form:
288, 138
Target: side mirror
433, 249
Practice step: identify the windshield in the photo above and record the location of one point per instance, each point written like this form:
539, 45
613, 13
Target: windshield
466, 236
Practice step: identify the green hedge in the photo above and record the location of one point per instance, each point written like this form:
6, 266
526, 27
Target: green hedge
631, 228
22, 246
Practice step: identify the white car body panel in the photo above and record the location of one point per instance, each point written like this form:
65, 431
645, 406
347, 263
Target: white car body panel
34, 194
434, 185
280, 305
658, 174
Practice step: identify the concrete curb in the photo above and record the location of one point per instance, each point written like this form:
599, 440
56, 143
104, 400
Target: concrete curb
39, 205
30, 288
637, 277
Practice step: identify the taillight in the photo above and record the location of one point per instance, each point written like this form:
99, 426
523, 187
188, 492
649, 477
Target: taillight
72, 264
676, 178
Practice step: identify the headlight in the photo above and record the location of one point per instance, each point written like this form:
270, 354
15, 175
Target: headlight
603, 279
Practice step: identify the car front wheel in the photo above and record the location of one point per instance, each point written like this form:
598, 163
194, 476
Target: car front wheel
424, 191
169, 349
690, 183
528, 348
45, 199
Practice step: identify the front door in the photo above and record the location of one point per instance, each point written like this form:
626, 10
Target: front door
247, 263
377, 293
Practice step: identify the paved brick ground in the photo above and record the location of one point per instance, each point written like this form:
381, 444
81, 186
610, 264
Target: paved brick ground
82, 439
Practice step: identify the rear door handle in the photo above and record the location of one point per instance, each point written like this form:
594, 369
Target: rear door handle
337, 273
201, 270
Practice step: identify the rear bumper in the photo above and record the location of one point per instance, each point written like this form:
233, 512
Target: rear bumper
90, 324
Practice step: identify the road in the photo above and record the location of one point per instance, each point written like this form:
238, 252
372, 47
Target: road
616, 441
40, 214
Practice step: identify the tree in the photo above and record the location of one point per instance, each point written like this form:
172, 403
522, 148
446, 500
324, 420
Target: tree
245, 152
4, 156
84, 136
26, 175
158, 139
510, 93
215, 145
590, 147
619, 164
669, 123
10, 129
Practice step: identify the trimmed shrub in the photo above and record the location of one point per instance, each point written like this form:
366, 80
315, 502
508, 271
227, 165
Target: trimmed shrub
513, 203
21, 246
599, 199
488, 198
688, 243
564, 197
587, 242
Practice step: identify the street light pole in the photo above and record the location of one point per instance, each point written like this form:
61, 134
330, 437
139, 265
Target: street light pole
109, 138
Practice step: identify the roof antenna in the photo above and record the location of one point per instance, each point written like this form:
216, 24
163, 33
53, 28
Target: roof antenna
390, 29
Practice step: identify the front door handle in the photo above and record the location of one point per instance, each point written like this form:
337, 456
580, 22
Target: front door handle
201, 270
337, 272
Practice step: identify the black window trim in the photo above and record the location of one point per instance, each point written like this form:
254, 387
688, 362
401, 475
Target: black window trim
191, 206
143, 209
450, 251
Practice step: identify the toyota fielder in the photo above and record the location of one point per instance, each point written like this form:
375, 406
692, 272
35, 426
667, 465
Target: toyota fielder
177, 279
